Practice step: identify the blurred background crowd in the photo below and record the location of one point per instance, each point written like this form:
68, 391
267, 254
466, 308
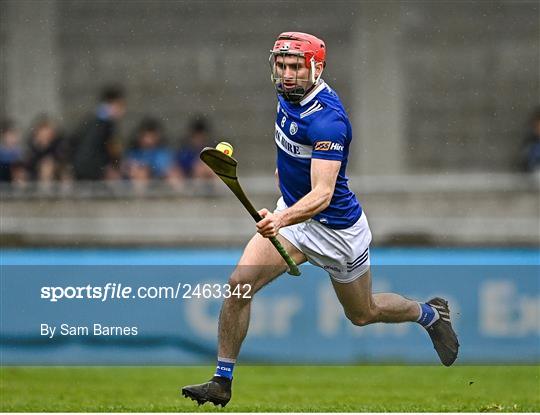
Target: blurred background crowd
94, 151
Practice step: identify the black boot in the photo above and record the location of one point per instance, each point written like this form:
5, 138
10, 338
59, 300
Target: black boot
442, 334
217, 390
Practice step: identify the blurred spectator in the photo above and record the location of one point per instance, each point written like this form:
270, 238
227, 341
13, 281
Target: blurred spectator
532, 145
46, 152
149, 158
191, 146
11, 154
96, 154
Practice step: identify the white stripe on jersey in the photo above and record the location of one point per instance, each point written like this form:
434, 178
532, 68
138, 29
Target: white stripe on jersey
313, 93
310, 108
290, 147
317, 108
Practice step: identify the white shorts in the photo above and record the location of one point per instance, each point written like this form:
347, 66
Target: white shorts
343, 253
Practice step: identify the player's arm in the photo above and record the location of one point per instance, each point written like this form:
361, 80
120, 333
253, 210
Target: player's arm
323, 181
328, 134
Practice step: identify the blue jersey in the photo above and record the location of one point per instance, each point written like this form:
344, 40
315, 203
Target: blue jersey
318, 127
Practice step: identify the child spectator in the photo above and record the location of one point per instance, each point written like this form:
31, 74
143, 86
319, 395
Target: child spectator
46, 153
148, 157
11, 154
188, 155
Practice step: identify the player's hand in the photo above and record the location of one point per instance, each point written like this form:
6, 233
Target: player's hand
270, 225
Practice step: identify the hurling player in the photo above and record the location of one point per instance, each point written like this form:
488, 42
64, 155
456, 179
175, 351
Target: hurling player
317, 219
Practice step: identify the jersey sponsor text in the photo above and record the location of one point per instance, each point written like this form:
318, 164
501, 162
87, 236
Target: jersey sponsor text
328, 146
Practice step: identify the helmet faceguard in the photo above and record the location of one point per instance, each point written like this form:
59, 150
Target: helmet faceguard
299, 50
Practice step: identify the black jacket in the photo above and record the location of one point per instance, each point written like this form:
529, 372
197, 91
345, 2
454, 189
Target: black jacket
91, 148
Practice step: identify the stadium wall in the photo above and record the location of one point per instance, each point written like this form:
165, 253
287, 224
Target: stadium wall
484, 210
429, 86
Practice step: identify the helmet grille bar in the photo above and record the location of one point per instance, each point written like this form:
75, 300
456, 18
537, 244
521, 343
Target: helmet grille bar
302, 46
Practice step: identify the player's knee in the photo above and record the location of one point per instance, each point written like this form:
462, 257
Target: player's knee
361, 318
240, 287
236, 282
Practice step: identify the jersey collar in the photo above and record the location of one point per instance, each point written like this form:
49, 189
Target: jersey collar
313, 93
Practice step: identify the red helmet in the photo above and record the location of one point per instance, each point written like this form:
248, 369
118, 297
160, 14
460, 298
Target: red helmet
304, 44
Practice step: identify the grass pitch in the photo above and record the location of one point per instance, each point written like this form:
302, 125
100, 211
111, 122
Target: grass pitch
275, 388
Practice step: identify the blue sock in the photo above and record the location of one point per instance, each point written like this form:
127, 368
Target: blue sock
225, 367
428, 315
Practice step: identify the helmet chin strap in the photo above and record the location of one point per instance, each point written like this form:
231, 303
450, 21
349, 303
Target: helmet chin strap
314, 79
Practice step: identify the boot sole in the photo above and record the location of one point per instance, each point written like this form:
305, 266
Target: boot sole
202, 400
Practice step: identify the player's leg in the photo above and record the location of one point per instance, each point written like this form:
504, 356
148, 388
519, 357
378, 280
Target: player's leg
362, 307
260, 264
